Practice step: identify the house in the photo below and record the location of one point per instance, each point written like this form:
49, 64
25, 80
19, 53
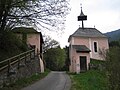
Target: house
30, 36
33, 39
84, 44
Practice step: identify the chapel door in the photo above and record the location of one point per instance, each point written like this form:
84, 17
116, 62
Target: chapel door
83, 63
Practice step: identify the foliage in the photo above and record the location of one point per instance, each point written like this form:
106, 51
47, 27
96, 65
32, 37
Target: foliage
25, 81
94, 79
55, 58
24, 38
10, 45
97, 65
40, 13
114, 44
67, 60
49, 43
112, 68
94, 61
90, 80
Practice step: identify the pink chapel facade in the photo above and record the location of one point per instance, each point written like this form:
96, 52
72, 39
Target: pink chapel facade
82, 49
89, 42
84, 44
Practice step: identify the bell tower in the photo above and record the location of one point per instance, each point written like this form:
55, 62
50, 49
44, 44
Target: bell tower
82, 17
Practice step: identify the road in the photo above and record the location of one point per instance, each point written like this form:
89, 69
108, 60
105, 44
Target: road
54, 81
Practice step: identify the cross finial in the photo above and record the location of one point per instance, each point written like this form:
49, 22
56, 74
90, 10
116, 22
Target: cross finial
82, 17
81, 5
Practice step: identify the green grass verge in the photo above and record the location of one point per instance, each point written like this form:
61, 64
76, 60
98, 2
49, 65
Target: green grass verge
23, 82
90, 80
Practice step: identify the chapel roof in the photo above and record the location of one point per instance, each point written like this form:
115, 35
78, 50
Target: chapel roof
87, 32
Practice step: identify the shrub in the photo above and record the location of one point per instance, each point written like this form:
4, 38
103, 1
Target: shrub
55, 58
112, 67
97, 64
10, 45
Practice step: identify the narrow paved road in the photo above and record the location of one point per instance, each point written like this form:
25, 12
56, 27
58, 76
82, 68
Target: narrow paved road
54, 81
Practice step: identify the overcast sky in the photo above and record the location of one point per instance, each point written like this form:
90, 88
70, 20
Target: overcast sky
103, 14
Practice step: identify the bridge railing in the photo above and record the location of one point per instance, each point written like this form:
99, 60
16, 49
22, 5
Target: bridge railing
6, 64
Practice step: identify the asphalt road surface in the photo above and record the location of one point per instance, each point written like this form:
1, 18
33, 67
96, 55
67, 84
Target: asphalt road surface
54, 81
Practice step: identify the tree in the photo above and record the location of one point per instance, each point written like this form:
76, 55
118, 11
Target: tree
115, 43
49, 43
10, 45
112, 67
39, 13
55, 58
67, 59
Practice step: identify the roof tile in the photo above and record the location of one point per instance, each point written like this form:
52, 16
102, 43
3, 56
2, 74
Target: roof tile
88, 32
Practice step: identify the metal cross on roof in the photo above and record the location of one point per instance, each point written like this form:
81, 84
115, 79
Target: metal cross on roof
82, 17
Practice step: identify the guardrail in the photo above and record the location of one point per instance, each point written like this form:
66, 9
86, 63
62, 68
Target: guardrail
6, 64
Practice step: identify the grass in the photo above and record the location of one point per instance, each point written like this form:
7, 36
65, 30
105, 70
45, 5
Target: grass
23, 82
94, 79
90, 80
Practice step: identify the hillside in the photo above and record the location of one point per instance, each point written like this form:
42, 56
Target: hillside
114, 35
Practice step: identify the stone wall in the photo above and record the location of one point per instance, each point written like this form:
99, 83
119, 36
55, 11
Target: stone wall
25, 69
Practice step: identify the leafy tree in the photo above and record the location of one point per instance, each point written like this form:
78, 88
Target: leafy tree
67, 60
40, 13
55, 58
114, 43
49, 43
112, 67
10, 45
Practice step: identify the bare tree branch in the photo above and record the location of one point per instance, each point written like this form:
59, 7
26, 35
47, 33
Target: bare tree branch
44, 13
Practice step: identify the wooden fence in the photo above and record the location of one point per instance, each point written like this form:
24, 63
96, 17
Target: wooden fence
6, 64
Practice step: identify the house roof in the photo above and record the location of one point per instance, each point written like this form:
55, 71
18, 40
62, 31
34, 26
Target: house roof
81, 48
87, 32
27, 30
24, 30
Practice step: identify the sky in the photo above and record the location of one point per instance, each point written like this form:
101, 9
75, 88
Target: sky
104, 15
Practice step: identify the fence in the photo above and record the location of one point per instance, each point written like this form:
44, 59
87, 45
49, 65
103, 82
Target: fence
6, 64
19, 66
